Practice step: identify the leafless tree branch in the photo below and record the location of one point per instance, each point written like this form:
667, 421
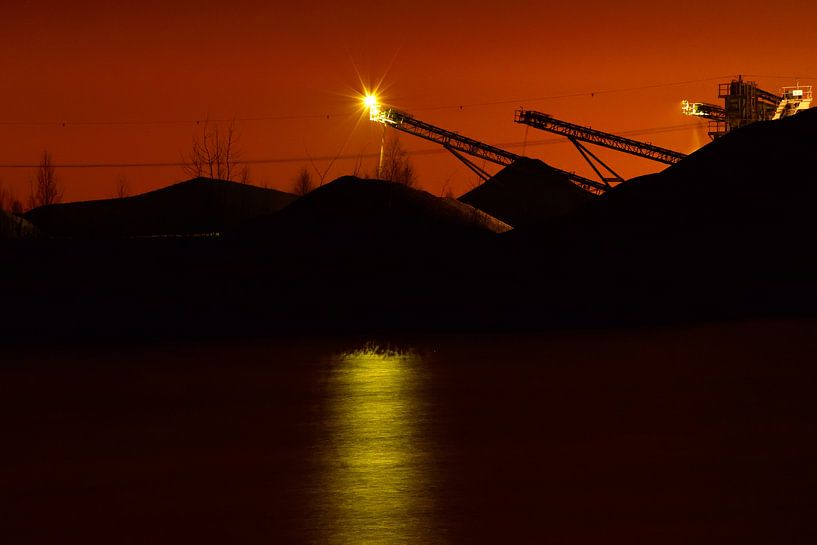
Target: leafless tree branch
45, 189
397, 166
214, 153
303, 182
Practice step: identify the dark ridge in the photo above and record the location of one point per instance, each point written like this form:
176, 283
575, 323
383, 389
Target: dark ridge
528, 192
197, 206
711, 238
353, 211
764, 172
727, 232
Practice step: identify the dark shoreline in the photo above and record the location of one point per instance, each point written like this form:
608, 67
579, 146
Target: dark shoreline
726, 234
57, 291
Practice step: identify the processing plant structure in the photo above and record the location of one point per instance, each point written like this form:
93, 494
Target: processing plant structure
459, 145
745, 103
577, 134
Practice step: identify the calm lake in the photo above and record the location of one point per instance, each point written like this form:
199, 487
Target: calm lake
689, 434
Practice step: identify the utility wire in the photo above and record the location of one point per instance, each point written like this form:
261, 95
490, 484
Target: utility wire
345, 115
172, 121
283, 160
781, 77
571, 95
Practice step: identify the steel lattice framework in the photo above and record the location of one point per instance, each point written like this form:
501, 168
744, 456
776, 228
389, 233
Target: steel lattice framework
572, 131
457, 144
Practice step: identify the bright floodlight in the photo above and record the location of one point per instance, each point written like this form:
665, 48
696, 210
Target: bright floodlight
370, 101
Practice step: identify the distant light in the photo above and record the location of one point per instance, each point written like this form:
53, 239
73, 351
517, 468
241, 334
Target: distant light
373, 104
693, 108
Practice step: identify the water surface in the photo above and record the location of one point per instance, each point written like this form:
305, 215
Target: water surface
679, 435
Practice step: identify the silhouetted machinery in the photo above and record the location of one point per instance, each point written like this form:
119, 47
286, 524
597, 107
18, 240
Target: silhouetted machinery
744, 104
578, 134
460, 145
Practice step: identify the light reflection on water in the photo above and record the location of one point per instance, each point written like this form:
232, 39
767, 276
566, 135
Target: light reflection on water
376, 459
680, 435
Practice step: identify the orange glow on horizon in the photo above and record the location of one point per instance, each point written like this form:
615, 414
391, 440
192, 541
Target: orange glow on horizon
96, 84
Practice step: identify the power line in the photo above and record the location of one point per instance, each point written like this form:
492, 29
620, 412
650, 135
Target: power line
284, 160
781, 77
346, 115
571, 95
182, 164
195, 122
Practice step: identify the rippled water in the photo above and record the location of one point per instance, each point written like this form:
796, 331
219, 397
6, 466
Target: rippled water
376, 464
684, 435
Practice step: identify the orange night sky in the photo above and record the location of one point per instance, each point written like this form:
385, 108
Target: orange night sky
129, 84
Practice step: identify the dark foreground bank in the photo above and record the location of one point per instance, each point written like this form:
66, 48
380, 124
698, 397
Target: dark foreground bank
728, 233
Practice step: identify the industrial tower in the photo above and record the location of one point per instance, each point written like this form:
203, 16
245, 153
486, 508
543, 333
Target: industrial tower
745, 103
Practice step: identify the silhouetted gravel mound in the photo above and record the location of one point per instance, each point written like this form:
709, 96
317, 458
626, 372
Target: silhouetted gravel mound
727, 232
197, 206
765, 172
526, 193
352, 211
13, 227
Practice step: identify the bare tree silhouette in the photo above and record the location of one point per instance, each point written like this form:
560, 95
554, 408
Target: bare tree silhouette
8, 202
320, 173
357, 170
215, 154
45, 189
446, 191
303, 182
397, 166
122, 187
5, 198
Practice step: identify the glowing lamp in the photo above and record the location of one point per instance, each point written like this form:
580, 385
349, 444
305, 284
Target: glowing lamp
371, 102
